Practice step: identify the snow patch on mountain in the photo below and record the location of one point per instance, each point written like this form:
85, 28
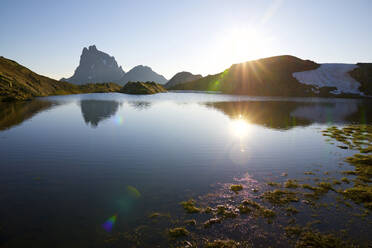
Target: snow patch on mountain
331, 75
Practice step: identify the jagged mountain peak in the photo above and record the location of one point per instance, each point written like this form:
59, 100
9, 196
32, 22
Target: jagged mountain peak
96, 67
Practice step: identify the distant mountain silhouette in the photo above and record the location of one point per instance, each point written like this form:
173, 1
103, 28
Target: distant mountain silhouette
142, 74
95, 111
181, 77
96, 67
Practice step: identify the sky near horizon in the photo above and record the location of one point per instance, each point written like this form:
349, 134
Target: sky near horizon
200, 36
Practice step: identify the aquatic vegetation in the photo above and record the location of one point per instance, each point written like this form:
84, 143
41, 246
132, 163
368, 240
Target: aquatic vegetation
292, 210
324, 186
178, 232
189, 206
360, 195
336, 182
310, 238
280, 196
291, 184
251, 203
211, 221
308, 186
345, 180
157, 215
190, 222
154, 215
309, 173
222, 244
274, 184
267, 213
236, 188
360, 159
366, 150
243, 209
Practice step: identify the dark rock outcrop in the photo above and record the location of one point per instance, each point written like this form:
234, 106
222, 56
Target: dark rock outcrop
142, 73
141, 88
96, 67
363, 74
181, 77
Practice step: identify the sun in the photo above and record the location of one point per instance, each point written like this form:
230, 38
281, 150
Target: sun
243, 44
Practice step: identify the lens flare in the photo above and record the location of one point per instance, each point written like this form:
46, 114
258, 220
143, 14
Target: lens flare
119, 120
109, 224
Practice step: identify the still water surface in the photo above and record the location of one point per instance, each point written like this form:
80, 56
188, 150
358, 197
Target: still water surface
69, 163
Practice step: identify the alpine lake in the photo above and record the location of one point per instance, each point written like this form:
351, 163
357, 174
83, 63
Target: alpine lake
185, 170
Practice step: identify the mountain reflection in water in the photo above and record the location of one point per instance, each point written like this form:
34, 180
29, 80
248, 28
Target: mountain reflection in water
95, 111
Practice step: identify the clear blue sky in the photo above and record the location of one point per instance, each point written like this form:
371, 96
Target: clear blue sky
203, 37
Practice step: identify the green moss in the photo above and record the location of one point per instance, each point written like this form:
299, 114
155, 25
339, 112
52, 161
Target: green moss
291, 184
236, 188
189, 206
178, 232
280, 196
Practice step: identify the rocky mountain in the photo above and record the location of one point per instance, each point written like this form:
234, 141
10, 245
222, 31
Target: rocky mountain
143, 74
287, 76
19, 83
181, 77
96, 67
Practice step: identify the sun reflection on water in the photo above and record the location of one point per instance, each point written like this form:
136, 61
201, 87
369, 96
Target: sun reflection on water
239, 127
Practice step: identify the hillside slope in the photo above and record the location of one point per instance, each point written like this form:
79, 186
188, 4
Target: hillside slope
181, 77
19, 83
287, 76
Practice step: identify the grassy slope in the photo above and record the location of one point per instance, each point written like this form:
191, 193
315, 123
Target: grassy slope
19, 83
270, 76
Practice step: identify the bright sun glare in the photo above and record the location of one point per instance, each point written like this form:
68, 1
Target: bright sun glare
239, 128
242, 44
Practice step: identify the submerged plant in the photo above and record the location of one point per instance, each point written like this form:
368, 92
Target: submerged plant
178, 232
236, 188
189, 206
